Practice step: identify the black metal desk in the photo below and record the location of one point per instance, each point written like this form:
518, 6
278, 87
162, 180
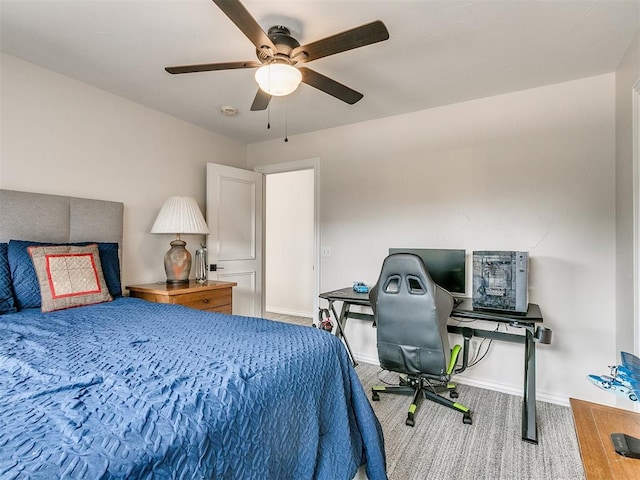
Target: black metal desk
465, 310
348, 297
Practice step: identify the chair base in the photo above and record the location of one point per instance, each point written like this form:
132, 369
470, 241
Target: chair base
419, 388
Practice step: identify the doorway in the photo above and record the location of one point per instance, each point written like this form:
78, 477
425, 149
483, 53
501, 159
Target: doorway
291, 245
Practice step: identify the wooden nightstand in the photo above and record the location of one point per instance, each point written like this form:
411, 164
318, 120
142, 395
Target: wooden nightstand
594, 424
213, 296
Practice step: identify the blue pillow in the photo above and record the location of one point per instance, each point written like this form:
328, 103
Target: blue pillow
7, 303
25, 281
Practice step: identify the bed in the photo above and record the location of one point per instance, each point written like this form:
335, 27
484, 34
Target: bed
123, 388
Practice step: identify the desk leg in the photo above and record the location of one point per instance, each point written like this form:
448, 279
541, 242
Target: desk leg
341, 322
529, 426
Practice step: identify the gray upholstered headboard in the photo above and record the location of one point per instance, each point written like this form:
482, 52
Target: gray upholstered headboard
57, 219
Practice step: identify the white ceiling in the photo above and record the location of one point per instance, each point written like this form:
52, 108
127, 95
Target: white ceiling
439, 52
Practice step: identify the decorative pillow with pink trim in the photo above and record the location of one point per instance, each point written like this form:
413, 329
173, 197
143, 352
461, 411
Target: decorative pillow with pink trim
69, 276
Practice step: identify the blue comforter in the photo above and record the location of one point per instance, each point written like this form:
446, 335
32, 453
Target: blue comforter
130, 389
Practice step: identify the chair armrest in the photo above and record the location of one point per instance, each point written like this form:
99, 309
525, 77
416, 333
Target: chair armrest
453, 359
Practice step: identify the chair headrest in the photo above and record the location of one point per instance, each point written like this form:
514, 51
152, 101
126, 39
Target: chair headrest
405, 269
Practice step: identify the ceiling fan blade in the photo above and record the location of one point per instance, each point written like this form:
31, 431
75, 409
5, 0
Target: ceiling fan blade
330, 86
246, 23
261, 101
208, 67
367, 34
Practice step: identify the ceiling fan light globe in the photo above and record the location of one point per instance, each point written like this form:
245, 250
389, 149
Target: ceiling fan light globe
278, 80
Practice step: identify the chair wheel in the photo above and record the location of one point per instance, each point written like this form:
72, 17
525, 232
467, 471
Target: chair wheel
374, 396
466, 419
411, 422
453, 394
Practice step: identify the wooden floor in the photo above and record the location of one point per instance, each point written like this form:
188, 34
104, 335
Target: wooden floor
594, 424
305, 321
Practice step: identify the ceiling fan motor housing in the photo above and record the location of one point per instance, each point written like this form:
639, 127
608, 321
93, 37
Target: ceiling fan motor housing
283, 41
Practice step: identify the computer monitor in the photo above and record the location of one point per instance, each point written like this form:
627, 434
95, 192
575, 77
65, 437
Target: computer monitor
446, 266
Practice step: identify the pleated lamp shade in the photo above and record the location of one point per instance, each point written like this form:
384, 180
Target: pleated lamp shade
179, 215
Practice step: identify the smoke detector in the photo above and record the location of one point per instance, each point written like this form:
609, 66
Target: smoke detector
228, 111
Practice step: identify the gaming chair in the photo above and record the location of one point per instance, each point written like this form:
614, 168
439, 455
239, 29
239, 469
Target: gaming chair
411, 314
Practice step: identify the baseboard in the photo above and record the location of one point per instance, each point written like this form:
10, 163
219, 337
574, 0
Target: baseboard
475, 382
366, 359
511, 390
281, 311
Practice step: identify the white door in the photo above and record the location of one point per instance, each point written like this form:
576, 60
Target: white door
234, 244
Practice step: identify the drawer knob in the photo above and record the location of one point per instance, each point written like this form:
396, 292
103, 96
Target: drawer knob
206, 300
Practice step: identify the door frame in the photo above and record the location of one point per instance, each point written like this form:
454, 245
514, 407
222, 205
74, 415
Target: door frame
635, 126
636, 214
307, 164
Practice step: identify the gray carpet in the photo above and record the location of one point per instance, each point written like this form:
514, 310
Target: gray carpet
440, 446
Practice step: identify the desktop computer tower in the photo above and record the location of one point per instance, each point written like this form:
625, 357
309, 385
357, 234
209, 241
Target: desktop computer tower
500, 281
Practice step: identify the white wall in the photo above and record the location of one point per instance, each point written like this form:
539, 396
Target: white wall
64, 137
627, 74
289, 243
531, 170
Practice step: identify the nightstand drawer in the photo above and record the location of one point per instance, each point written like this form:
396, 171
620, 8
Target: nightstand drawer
212, 296
208, 300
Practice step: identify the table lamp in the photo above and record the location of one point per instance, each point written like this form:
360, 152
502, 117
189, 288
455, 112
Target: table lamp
179, 215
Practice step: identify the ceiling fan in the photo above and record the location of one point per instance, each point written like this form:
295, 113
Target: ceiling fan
278, 53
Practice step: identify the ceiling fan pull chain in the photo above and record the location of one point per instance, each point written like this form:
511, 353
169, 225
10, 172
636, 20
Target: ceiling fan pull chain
286, 119
269, 106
